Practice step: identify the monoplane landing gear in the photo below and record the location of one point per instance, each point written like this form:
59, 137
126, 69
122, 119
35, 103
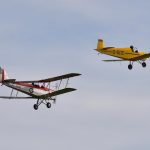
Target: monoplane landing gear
130, 67
143, 64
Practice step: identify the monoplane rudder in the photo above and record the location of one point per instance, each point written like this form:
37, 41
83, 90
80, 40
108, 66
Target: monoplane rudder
100, 44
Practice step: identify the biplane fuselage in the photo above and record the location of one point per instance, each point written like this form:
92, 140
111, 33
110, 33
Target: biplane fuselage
29, 89
125, 54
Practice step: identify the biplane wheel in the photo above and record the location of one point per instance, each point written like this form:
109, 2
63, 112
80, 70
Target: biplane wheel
35, 106
129, 66
143, 64
48, 105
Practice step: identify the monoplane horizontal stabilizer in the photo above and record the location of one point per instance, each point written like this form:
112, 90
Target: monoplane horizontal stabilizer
59, 92
106, 48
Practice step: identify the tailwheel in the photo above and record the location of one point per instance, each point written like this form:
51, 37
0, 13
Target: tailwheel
143, 64
48, 105
130, 67
35, 106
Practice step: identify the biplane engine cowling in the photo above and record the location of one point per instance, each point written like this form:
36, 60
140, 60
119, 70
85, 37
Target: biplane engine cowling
3, 75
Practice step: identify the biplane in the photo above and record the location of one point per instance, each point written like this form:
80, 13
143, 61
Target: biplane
40, 90
130, 54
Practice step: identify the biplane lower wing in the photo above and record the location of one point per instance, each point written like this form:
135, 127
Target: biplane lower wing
46, 96
66, 76
59, 92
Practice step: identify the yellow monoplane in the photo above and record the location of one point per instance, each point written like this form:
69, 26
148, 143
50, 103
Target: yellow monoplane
130, 54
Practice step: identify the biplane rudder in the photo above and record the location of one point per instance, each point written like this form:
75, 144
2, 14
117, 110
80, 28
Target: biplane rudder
3, 75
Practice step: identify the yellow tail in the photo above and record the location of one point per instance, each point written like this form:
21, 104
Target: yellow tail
100, 44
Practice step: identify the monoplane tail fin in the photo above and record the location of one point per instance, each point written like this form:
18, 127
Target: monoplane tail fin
100, 44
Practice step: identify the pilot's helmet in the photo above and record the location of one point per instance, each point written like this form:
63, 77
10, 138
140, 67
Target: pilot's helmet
132, 47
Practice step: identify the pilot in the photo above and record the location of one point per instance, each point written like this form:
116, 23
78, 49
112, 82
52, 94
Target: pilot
132, 48
42, 86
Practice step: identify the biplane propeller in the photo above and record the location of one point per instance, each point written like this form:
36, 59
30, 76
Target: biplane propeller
37, 89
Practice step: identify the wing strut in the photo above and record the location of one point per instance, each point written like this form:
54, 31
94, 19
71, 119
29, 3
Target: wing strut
59, 84
67, 83
11, 93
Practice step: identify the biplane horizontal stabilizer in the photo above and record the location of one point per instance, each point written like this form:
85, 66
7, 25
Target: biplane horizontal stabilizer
9, 81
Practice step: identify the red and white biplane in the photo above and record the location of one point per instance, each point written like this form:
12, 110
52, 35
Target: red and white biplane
38, 89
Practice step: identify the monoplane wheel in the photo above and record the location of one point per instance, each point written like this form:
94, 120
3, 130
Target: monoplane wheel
143, 64
129, 66
48, 105
35, 106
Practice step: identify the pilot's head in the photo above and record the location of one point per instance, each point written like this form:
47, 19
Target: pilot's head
132, 47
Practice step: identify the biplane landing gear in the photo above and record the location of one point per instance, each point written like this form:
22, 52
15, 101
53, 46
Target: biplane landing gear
35, 106
143, 64
41, 101
48, 105
130, 67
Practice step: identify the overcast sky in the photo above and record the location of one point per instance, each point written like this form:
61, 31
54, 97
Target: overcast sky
44, 38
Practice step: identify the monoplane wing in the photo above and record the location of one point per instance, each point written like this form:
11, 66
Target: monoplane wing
140, 57
58, 92
8, 97
66, 76
115, 60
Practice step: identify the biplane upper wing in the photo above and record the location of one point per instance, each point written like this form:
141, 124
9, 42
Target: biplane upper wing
58, 92
70, 75
140, 57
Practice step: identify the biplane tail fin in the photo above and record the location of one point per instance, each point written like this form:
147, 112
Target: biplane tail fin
3, 75
100, 44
